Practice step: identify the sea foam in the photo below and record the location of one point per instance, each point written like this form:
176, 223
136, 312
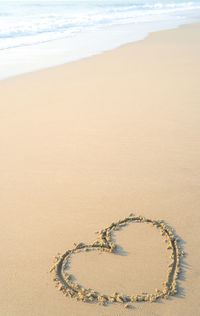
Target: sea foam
67, 30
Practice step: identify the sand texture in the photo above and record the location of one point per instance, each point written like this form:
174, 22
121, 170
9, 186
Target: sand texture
104, 244
84, 145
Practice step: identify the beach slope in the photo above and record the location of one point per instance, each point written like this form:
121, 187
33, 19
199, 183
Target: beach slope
84, 145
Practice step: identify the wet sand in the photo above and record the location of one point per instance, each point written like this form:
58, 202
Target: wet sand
86, 144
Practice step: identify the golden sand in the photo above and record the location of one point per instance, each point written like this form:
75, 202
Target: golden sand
89, 142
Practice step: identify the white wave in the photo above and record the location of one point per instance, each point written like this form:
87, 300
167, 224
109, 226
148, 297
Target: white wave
32, 23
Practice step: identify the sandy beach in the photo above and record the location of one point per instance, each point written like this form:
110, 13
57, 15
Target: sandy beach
85, 144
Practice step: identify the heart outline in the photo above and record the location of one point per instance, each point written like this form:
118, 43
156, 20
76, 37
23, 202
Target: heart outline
104, 244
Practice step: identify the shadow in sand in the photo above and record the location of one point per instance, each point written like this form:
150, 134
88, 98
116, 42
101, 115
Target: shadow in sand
105, 242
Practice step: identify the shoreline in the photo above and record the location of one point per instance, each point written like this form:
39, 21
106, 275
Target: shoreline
43, 68
84, 145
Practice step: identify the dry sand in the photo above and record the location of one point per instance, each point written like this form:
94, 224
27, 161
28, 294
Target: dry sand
83, 145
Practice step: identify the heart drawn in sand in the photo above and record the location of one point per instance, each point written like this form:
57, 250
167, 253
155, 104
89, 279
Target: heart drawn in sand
104, 244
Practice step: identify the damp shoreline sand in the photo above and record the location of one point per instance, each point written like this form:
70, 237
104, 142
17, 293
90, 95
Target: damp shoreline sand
85, 144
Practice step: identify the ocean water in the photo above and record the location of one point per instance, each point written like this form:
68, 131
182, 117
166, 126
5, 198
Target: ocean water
39, 34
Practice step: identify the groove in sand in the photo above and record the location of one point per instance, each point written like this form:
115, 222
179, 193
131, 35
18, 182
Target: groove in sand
104, 244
